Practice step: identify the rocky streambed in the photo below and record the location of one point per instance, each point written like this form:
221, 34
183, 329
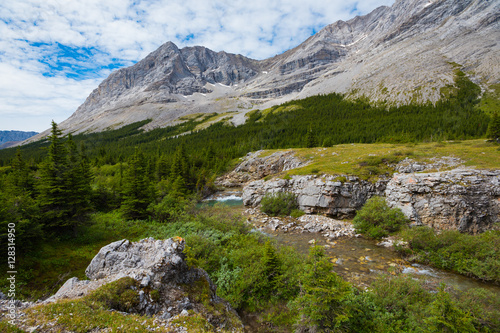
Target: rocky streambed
355, 258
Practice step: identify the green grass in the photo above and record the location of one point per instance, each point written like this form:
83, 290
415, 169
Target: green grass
83, 315
279, 109
368, 161
490, 102
214, 118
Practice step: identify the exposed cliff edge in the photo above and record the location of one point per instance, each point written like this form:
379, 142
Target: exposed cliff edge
399, 54
163, 284
462, 199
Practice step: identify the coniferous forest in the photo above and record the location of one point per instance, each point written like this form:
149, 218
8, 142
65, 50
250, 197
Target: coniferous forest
70, 195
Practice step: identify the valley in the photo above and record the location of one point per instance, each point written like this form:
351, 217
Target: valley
349, 184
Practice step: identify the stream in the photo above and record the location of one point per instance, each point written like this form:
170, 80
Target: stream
358, 260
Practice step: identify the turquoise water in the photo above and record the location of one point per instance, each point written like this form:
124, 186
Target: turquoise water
230, 199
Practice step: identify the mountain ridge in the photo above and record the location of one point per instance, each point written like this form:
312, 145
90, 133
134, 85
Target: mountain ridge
400, 54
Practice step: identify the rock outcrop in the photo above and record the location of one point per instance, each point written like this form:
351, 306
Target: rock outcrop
166, 285
398, 54
336, 196
464, 200
460, 199
255, 167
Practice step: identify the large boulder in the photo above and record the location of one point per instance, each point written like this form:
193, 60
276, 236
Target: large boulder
165, 284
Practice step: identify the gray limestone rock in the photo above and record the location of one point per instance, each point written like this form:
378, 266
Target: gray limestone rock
318, 195
464, 200
253, 167
458, 199
156, 265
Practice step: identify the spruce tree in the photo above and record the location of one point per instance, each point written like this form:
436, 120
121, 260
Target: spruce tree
323, 293
494, 128
53, 185
78, 178
21, 180
272, 268
136, 188
180, 164
311, 140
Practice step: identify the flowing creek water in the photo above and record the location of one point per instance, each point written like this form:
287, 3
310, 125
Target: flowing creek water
357, 259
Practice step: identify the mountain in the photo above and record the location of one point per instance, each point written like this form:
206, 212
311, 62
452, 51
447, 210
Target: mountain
10, 138
399, 54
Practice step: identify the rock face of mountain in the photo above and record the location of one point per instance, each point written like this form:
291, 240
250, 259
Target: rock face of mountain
398, 54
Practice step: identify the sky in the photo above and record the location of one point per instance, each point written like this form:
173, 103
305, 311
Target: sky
53, 53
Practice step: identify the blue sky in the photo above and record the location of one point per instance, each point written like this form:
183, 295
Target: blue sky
54, 53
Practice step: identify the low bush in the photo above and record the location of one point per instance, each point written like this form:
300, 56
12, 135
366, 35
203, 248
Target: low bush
404, 304
471, 255
297, 213
376, 219
279, 204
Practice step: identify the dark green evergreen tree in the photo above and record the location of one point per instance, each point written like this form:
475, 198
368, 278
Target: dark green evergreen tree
321, 302
19, 207
65, 192
494, 128
272, 268
53, 183
20, 179
78, 179
180, 164
162, 168
136, 188
311, 140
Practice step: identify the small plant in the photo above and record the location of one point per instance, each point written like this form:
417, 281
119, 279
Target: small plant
376, 219
118, 295
155, 295
296, 213
279, 204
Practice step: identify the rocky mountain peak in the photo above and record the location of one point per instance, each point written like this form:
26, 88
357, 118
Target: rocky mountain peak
399, 54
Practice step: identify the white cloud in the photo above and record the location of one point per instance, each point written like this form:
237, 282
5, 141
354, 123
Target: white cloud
124, 31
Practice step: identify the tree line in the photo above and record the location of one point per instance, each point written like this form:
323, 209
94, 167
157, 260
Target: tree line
53, 185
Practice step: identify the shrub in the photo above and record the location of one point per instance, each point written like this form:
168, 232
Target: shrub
279, 204
376, 219
297, 213
471, 255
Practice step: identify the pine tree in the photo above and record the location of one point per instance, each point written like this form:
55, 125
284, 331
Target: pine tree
321, 301
78, 178
272, 268
311, 140
136, 188
52, 186
494, 128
